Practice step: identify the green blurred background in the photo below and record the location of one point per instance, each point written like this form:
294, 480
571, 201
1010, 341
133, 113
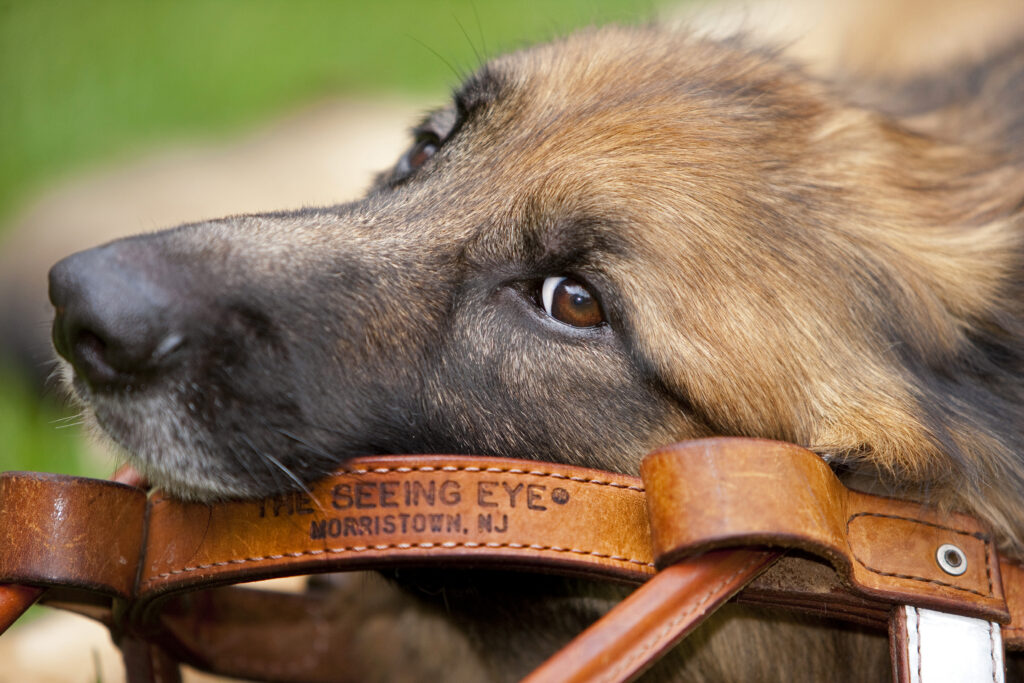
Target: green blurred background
87, 82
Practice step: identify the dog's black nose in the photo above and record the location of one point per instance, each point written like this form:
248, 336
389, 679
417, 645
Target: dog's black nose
114, 316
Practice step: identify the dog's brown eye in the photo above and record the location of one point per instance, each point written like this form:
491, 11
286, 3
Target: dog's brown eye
420, 153
569, 302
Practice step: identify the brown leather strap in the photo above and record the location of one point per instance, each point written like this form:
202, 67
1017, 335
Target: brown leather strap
71, 532
409, 509
66, 532
257, 634
898, 646
74, 532
14, 600
147, 662
655, 617
1013, 586
378, 512
719, 493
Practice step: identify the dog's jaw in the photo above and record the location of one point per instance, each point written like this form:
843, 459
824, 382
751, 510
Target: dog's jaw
145, 431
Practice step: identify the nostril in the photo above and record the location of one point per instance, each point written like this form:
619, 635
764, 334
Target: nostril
106, 363
119, 319
89, 356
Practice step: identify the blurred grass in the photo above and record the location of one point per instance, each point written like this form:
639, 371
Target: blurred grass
83, 80
40, 435
88, 81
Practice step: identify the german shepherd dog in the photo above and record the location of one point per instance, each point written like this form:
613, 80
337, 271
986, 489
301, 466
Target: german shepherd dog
622, 239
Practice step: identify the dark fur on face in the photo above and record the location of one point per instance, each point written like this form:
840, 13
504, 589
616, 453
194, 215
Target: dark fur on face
772, 259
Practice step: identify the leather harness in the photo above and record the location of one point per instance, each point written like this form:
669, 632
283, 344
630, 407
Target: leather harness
765, 522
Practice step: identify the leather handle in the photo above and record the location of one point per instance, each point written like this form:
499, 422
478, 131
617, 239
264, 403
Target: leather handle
470, 511
733, 493
57, 530
14, 600
654, 618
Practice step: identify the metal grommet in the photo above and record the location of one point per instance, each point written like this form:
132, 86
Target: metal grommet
951, 559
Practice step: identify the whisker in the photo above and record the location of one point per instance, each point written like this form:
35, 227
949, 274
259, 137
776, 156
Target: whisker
320, 428
80, 417
458, 75
288, 473
70, 421
479, 57
312, 448
479, 28
53, 382
246, 463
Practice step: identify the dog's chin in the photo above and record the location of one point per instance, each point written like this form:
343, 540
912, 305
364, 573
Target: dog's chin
165, 449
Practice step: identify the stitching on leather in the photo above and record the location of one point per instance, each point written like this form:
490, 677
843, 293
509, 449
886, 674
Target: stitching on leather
992, 652
991, 558
496, 470
472, 468
921, 578
972, 534
394, 546
410, 546
917, 628
655, 641
1011, 627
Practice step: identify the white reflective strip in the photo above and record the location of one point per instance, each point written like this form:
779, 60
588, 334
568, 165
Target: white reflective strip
946, 648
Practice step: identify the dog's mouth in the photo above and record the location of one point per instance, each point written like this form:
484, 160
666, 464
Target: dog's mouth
193, 440
165, 445
128, 475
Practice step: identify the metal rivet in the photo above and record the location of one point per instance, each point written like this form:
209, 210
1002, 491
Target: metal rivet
951, 559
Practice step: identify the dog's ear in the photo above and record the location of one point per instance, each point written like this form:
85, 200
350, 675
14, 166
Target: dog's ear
950, 233
869, 304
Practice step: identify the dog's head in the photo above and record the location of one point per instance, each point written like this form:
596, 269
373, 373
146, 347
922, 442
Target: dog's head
604, 244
